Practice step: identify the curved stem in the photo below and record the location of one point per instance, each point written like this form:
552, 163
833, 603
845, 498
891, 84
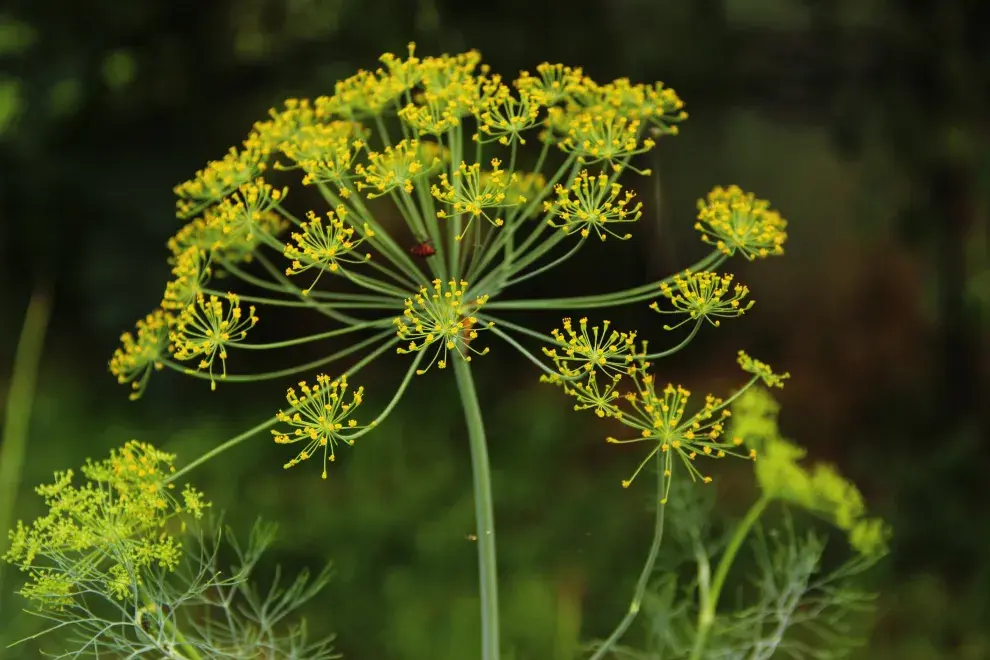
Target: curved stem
391, 404
280, 277
295, 341
268, 423
644, 576
522, 350
545, 267
626, 297
393, 303
288, 371
671, 351
709, 597
483, 510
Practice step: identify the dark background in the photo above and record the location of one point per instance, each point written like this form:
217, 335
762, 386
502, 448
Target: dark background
864, 121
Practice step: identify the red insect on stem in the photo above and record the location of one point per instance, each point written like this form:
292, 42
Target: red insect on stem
423, 249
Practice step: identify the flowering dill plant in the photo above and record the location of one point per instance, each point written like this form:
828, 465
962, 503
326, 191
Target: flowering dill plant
121, 565
436, 142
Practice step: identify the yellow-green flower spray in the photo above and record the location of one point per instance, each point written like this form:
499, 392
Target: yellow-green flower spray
436, 141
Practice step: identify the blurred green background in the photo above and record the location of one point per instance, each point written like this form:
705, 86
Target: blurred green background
866, 122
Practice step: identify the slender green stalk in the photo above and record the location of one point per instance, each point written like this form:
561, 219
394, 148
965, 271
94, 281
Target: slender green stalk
626, 297
671, 351
20, 398
238, 439
644, 576
288, 371
709, 596
542, 269
483, 511
394, 303
522, 350
315, 337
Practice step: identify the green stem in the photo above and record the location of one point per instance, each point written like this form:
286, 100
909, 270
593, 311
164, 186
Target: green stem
19, 403
644, 576
709, 598
268, 423
483, 510
317, 337
671, 351
542, 269
626, 297
288, 371
522, 350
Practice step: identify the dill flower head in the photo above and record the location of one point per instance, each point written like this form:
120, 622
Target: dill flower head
761, 370
217, 180
206, 329
703, 296
190, 274
506, 118
659, 418
321, 417
596, 203
104, 530
324, 247
732, 221
247, 212
606, 136
472, 195
397, 167
440, 317
139, 355
554, 83
599, 348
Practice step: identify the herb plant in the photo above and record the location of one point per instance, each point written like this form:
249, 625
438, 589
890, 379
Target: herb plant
432, 214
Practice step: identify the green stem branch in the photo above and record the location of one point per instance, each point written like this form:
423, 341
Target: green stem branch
268, 423
644, 576
709, 597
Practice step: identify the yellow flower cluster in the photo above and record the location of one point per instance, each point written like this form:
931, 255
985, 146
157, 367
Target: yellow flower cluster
138, 356
703, 296
218, 179
596, 203
659, 418
598, 349
325, 246
319, 415
593, 366
762, 370
398, 167
440, 316
732, 220
104, 531
206, 330
470, 193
